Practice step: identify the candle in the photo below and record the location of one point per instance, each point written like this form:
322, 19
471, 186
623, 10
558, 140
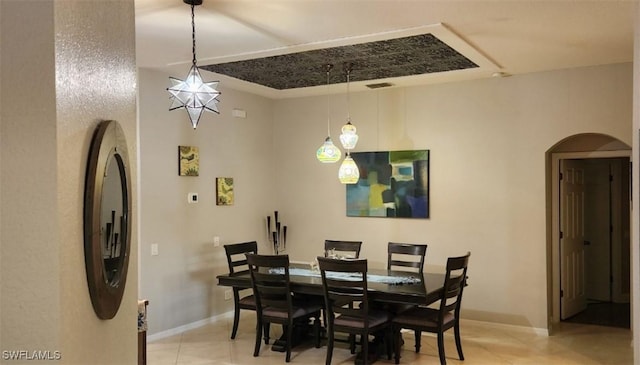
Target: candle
284, 237
275, 243
268, 228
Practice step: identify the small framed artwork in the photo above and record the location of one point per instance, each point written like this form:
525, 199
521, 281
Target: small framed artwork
188, 161
224, 191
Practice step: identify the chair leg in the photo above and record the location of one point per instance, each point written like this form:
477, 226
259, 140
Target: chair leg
443, 360
352, 343
329, 345
418, 337
256, 350
364, 338
289, 329
316, 330
456, 331
397, 342
236, 319
266, 333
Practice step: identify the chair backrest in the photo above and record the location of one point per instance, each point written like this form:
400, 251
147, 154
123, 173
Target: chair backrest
454, 283
406, 256
270, 281
340, 247
236, 256
344, 283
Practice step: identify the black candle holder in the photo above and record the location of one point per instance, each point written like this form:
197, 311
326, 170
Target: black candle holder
276, 234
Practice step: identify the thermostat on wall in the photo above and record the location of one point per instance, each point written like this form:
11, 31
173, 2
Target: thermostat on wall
192, 198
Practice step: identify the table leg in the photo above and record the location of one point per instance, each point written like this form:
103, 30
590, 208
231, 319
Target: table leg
302, 329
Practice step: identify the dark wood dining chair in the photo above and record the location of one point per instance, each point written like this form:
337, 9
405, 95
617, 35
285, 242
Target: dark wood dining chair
342, 249
275, 302
349, 249
238, 266
438, 320
406, 256
347, 308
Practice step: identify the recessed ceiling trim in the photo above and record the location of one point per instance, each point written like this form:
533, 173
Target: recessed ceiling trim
485, 68
439, 30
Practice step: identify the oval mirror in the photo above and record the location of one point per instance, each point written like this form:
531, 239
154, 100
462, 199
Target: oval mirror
107, 225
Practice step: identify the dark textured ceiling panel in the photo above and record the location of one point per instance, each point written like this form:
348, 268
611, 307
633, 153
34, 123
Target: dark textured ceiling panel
415, 55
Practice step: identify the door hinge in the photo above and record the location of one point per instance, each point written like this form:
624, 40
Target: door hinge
561, 235
561, 176
610, 177
561, 293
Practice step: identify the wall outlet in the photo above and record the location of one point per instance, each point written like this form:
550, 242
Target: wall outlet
228, 294
192, 198
216, 241
154, 249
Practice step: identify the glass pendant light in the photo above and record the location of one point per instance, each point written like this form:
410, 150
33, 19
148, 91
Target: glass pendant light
348, 138
192, 93
328, 152
349, 172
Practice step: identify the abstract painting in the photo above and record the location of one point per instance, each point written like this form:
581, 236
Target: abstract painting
224, 191
392, 184
189, 161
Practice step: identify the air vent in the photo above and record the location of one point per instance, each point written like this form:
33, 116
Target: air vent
379, 85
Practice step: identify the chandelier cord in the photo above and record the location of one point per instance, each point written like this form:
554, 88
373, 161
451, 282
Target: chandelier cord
193, 32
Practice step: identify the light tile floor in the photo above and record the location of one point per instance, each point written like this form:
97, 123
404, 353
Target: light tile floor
482, 343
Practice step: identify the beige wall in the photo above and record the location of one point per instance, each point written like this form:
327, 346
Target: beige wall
487, 139
180, 282
66, 65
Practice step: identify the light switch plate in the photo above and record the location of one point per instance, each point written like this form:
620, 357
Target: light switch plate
192, 198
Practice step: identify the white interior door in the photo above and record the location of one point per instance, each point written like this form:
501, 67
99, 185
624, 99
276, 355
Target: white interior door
598, 228
572, 236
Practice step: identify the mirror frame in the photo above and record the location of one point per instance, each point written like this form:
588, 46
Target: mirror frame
108, 143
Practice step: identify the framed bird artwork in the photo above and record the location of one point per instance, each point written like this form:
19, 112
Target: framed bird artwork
224, 191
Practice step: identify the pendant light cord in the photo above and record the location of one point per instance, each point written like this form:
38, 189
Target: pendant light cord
348, 95
329, 67
348, 66
193, 31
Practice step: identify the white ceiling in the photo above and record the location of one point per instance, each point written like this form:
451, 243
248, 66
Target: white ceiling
513, 37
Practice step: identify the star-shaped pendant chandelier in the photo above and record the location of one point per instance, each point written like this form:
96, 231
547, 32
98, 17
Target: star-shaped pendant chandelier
192, 93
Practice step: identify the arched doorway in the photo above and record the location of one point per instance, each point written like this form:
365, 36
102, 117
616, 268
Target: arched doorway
569, 255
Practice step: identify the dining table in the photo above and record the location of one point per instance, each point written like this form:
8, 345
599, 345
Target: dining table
384, 286
390, 286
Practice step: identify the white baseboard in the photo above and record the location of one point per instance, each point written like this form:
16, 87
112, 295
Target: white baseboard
187, 327
203, 322
537, 330
512, 327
